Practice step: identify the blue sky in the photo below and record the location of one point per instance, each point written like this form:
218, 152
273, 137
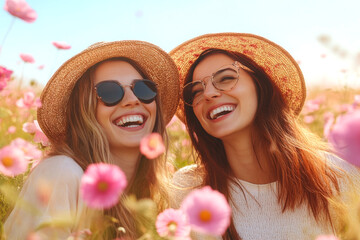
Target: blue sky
295, 25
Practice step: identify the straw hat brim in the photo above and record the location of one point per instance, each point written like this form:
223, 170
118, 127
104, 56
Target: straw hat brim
276, 61
155, 63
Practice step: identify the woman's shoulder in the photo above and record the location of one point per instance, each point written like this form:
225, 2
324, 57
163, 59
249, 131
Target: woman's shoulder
188, 176
59, 166
183, 182
335, 161
351, 173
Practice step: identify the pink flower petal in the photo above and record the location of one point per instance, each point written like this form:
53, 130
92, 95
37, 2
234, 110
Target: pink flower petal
5, 76
11, 129
61, 45
152, 145
172, 223
29, 127
326, 237
27, 58
207, 210
31, 151
40, 137
309, 119
12, 161
345, 137
101, 185
20, 9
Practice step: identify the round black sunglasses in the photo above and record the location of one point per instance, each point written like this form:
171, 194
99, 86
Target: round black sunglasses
111, 92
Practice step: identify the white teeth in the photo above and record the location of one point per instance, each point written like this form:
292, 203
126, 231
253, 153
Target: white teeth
135, 119
223, 108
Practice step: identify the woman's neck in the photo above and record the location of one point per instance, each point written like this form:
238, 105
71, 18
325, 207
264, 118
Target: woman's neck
127, 159
246, 164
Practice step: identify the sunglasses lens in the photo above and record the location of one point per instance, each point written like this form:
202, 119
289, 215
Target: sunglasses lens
145, 90
110, 92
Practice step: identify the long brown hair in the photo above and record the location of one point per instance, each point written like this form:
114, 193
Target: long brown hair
86, 143
295, 154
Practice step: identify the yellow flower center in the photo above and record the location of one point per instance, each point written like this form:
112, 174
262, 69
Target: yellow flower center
205, 215
172, 228
153, 142
102, 186
7, 161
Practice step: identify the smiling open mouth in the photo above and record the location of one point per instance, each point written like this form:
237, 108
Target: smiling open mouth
130, 121
221, 111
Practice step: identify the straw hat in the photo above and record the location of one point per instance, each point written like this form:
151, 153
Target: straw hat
155, 63
276, 61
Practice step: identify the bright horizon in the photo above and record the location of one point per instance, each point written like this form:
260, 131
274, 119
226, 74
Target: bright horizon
294, 25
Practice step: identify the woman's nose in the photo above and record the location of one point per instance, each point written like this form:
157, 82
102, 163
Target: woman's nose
129, 98
210, 91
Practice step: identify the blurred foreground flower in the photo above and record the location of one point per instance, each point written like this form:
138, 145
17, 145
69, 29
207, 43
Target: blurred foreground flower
345, 137
43, 191
173, 223
34, 236
34, 128
326, 237
27, 58
61, 45
152, 145
12, 161
102, 184
207, 210
5, 75
20, 9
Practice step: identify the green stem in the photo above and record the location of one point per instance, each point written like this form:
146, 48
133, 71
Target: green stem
6, 34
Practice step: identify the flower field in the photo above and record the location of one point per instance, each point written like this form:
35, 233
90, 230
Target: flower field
333, 114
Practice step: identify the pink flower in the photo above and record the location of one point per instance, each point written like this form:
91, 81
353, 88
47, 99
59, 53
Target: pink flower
29, 127
357, 100
20, 9
28, 101
5, 75
311, 106
309, 119
34, 128
329, 121
82, 234
43, 192
152, 145
34, 236
12, 161
30, 150
61, 45
345, 108
27, 58
40, 137
11, 129
345, 137
326, 237
173, 223
102, 184
207, 210
41, 67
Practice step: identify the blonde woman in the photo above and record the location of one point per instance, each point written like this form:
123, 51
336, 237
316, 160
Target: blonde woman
96, 108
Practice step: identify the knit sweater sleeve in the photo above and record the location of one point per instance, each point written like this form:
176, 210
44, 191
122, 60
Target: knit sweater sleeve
184, 181
49, 202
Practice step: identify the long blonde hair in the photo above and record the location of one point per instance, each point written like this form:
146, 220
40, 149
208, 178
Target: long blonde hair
86, 143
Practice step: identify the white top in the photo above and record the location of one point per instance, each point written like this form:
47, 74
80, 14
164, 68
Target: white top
50, 194
260, 216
